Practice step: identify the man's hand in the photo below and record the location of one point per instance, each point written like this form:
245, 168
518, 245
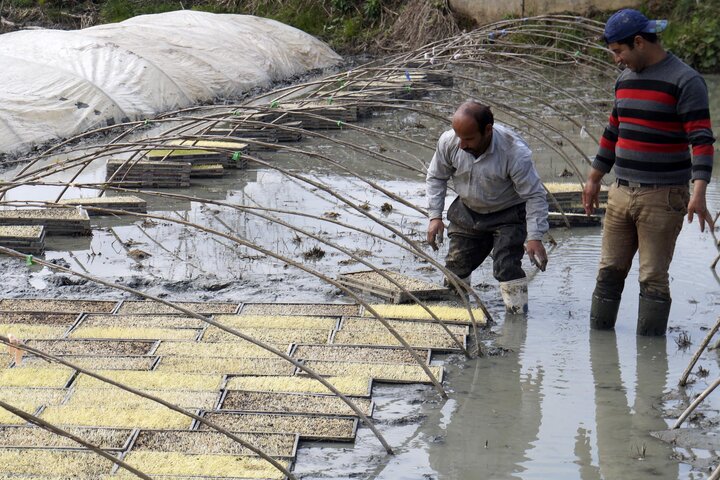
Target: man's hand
697, 205
435, 232
591, 192
536, 253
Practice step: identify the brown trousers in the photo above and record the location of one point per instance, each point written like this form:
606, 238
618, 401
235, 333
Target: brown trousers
643, 219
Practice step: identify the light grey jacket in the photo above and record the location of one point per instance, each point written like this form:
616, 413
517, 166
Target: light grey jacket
501, 177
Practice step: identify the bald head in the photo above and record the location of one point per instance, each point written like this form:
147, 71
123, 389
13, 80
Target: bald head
472, 123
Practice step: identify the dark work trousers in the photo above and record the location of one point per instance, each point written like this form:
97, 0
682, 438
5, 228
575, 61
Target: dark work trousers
474, 235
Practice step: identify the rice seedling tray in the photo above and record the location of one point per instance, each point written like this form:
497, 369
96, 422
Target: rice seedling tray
24, 330
39, 318
238, 348
127, 333
182, 466
306, 403
308, 427
436, 343
28, 239
207, 171
112, 397
379, 372
352, 386
37, 396
205, 152
93, 362
52, 464
370, 281
150, 307
430, 327
32, 437
40, 305
574, 219
273, 336
311, 309
56, 221
226, 365
350, 353
128, 203
154, 380
158, 417
292, 322
140, 321
209, 442
148, 173
447, 314
95, 346
36, 377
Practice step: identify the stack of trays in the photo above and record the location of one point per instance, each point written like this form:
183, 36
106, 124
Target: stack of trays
228, 153
149, 174
568, 199
207, 171
269, 133
57, 221
308, 113
26, 239
370, 281
128, 203
395, 87
555, 219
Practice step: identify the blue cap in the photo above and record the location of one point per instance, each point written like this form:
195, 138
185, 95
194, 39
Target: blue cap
628, 22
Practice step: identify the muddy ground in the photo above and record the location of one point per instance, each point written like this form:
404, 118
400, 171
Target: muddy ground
555, 401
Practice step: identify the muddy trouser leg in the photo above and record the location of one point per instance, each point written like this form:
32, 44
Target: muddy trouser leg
509, 245
467, 251
660, 214
619, 244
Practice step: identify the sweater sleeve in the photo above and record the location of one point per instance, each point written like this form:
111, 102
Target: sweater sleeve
605, 158
693, 109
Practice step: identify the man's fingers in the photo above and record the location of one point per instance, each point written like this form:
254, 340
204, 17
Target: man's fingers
709, 219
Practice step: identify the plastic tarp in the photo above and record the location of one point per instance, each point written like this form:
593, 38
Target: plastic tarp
60, 83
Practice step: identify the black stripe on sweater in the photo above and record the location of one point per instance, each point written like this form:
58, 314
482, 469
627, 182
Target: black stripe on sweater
701, 114
646, 137
649, 115
646, 84
653, 166
702, 168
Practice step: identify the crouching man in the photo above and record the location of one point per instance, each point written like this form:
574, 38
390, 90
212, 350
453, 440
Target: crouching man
501, 202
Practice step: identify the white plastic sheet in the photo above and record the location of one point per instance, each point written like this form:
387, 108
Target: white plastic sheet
56, 84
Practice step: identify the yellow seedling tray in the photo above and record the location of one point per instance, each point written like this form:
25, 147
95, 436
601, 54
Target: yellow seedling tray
153, 380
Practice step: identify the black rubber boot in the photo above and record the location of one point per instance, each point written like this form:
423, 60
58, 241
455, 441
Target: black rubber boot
652, 316
603, 313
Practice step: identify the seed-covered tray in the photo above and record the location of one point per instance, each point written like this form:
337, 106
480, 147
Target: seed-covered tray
416, 312
141, 321
52, 464
355, 386
153, 380
403, 326
39, 318
278, 445
273, 336
95, 362
382, 372
88, 332
372, 282
237, 348
36, 437
207, 171
128, 203
56, 306
355, 353
36, 377
114, 417
311, 309
24, 238
22, 330
150, 307
309, 427
146, 173
37, 396
95, 347
574, 219
159, 464
274, 402
245, 366
113, 397
440, 343
57, 221
278, 321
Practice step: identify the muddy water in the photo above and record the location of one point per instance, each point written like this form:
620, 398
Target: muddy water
561, 402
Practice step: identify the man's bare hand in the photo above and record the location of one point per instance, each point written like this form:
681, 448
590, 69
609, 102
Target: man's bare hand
697, 205
590, 196
435, 232
537, 254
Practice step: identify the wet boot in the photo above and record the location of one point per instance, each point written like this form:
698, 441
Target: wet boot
603, 313
652, 316
515, 295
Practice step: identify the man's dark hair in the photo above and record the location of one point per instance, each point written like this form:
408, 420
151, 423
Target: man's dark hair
481, 113
630, 41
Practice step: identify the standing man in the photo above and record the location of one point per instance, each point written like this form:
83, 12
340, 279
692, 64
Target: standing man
661, 108
501, 201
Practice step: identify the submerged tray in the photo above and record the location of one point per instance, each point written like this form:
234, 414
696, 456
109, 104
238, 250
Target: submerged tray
370, 281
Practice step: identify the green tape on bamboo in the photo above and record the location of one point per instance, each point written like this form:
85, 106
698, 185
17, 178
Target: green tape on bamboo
29, 260
274, 104
236, 156
408, 88
330, 100
339, 123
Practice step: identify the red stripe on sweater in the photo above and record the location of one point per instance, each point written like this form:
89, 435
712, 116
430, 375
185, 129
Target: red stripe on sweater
613, 120
604, 142
665, 126
697, 125
703, 150
651, 95
651, 147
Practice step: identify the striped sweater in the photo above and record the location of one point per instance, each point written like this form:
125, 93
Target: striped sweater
658, 113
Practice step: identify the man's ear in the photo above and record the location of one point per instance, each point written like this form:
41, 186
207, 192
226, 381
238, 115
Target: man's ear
488, 129
639, 41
